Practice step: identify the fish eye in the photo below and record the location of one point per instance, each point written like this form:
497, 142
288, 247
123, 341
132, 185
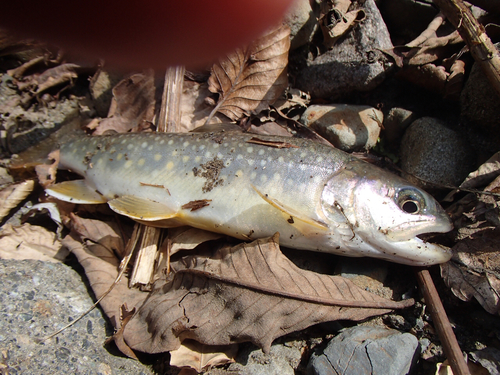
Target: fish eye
410, 201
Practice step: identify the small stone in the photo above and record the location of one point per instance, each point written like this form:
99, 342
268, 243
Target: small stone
347, 127
396, 122
281, 360
489, 358
355, 63
364, 350
435, 153
302, 19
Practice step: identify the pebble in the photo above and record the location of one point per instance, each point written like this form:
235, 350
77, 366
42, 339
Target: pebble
283, 359
37, 298
434, 153
355, 63
364, 350
479, 109
302, 19
396, 122
347, 127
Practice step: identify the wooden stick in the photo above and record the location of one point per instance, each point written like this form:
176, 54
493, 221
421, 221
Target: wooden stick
442, 324
170, 114
474, 34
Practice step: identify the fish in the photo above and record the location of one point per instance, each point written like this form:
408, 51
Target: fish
251, 186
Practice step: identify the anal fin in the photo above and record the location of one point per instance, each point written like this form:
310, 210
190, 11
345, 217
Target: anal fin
305, 225
75, 192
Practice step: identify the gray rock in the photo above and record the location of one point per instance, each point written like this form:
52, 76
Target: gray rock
283, 359
480, 106
38, 298
435, 153
396, 122
302, 19
347, 127
355, 63
364, 350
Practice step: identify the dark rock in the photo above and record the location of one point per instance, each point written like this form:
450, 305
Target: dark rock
355, 63
480, 105
435, 153
39, 298
302, 19
364, 350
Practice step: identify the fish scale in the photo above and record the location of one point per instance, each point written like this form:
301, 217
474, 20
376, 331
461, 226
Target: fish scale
243, 185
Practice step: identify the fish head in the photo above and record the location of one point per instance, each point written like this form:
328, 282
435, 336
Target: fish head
385, 214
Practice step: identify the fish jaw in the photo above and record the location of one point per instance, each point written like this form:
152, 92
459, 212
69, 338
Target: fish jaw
372, 202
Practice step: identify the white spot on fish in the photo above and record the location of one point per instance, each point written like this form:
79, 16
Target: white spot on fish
208, 154
150, 147
157, 157
281, 159
253, 175
170, 142
239, 173
130, 146
202, 147
263, 162
303, 154
319, 159
124, 140
128, 164
144, 144
263, 178
99, 161
216, 145
249, 150
119, 157
197, 159
250, 161
157, 138
141, 162
170, 165
185, 159
277, 176
174, 153
185, 144
261, 152
162, 141
239, 157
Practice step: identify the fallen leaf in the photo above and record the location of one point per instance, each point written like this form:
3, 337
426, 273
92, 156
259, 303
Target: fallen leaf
250, 79
335, 20
187, 238
13, 194
135, 103
201, 357
474, 270
30, 242
194, 108
250, 292
58, 75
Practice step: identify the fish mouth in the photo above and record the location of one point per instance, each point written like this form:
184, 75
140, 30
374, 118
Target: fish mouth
410, 230
417, 252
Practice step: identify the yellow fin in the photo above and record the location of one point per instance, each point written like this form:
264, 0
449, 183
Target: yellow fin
304, 224
75, 192
141, 209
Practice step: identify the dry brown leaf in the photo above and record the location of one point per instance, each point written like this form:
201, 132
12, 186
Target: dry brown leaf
474, 271
201, 357
30, 242
135, 100
12, 195
250, 79
194, 108
58, 75
335, 20
187, 238
250, 292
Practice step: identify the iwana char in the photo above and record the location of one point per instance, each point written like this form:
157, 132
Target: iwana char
247, 186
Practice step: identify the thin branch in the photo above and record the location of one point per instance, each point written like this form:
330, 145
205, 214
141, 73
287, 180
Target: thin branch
442, 324
474, 34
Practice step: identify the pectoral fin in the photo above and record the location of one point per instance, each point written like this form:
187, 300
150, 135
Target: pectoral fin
305, 225
75, 192
141, 209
